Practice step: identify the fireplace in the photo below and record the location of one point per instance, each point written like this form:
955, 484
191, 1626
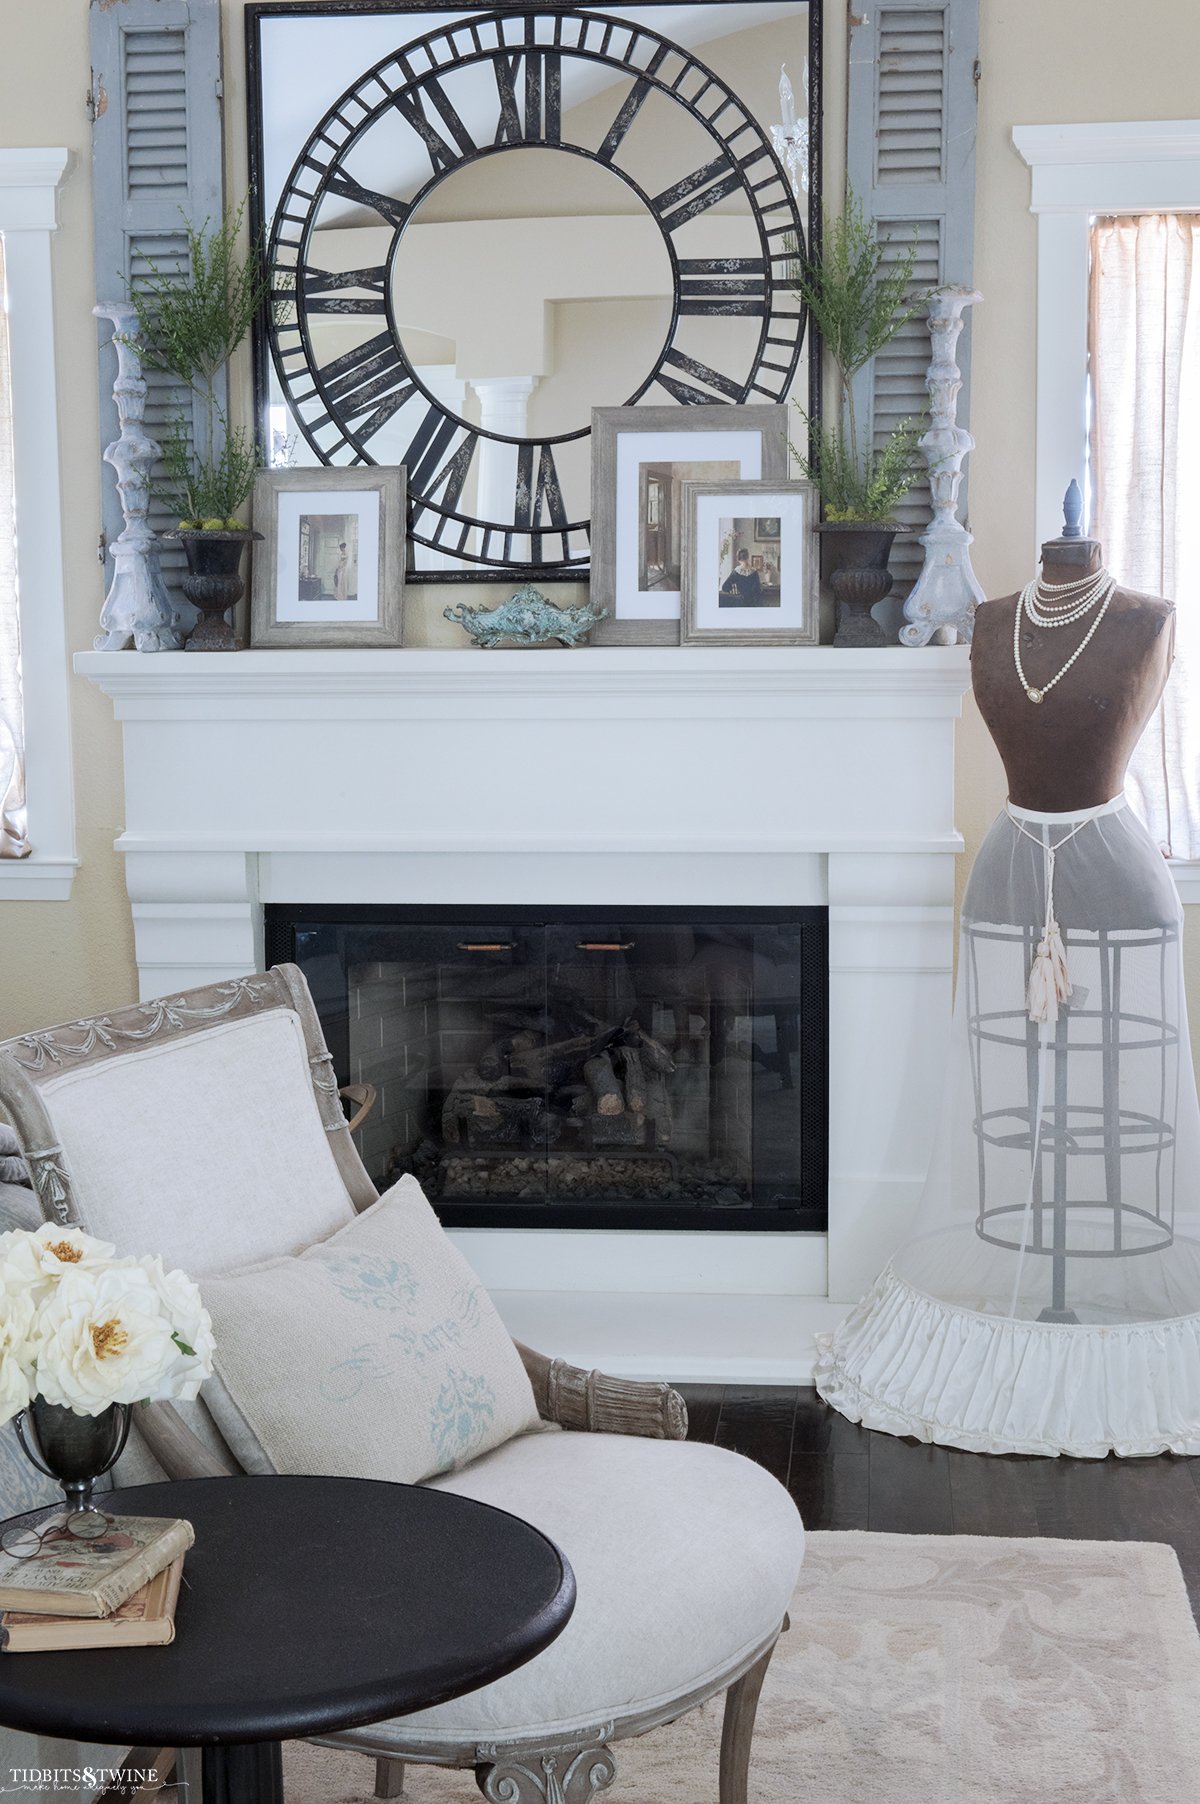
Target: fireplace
572, 1068
737, 778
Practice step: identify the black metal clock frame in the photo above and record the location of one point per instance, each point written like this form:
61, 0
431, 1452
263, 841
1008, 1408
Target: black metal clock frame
375, 379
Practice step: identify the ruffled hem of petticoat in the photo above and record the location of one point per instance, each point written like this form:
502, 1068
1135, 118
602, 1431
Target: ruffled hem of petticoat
909, 1364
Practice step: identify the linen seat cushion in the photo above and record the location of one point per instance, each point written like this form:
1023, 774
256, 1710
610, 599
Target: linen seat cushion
375, 1353
207, 1149
685, 1558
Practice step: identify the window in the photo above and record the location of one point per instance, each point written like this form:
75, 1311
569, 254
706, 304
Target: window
34, 671
1144, 355
1118, 169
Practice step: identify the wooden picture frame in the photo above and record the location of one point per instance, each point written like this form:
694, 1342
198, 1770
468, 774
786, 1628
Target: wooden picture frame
743, 589
329, 575
633, 560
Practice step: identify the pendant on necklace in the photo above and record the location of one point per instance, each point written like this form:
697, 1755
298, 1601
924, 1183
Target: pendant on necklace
1036, 695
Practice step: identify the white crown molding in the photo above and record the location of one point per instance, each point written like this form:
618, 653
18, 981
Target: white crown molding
523, 684
524, 845
1109, 141
1123, 165
29, 182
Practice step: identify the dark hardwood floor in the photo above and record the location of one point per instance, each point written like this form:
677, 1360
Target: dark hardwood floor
844, 1476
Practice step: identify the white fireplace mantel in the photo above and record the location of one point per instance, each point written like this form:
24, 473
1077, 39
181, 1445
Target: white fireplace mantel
604, 777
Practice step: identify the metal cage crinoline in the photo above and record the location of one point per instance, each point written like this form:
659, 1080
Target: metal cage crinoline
1068, 1117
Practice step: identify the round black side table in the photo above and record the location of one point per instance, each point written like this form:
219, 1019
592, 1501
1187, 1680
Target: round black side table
308, 1605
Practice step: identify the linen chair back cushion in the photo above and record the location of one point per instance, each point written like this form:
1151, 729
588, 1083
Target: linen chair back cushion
376, 1354
207, 1148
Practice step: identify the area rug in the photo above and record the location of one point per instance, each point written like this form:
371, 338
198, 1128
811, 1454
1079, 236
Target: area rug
928, 1669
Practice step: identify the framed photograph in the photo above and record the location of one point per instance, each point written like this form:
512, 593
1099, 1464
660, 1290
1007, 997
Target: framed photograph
642, 460
743, 585
330, 569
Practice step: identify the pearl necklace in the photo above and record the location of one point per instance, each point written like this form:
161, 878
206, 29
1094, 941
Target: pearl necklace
1080, 597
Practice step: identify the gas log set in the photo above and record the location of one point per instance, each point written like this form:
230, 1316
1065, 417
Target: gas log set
562, 1103
572, 1075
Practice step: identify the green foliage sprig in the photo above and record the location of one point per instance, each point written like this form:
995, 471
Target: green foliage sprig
213, 488
852, 490
188, 328
858, 301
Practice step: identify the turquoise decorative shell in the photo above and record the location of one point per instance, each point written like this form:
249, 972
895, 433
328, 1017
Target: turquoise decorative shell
528, 618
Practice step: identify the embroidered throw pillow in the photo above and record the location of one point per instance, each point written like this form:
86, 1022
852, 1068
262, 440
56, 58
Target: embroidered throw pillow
374, 1354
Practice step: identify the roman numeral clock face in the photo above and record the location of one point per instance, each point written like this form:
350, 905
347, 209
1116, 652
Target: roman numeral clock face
504, 222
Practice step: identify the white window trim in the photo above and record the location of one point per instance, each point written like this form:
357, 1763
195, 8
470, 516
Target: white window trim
29, 184
1122, 166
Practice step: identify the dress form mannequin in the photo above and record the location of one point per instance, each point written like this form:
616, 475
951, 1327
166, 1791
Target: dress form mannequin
1071, 750
1047, 1296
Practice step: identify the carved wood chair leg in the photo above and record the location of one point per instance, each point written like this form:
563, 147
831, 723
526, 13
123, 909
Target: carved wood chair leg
157, 1763
737, 1732
389, 1779
189, 1775
555, 1775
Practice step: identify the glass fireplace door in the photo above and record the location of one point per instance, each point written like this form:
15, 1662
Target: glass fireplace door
648, 1068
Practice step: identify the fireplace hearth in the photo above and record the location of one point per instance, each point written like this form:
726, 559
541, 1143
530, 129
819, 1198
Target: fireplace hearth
644, 1069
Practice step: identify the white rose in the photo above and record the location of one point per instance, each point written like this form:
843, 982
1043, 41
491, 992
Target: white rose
16, 1352
39, 1257
18, 1316
15, 1393
104, 1337
191, 1325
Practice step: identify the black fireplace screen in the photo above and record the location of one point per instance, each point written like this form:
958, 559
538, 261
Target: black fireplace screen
655, 1069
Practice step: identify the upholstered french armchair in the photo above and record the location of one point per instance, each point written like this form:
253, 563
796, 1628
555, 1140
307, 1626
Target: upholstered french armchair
208, 1127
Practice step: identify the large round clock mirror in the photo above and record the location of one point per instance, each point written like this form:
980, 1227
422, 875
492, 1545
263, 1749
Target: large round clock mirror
482, 223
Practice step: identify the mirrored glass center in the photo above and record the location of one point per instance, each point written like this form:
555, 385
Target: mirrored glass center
530, 286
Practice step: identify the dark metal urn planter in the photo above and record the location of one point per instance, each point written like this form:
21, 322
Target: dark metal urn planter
213, 584
854, 562
73, 1449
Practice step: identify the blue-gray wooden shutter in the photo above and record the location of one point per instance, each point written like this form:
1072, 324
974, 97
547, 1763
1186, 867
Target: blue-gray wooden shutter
156, 163
911, 161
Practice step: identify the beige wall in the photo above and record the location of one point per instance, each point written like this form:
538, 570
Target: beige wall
1072, 61
1040, 63
59, 959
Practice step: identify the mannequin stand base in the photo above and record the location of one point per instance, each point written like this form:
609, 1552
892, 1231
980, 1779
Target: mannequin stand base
1059, 1315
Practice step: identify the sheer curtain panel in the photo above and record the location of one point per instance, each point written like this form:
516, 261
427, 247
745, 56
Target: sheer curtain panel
1144, 333
13, 840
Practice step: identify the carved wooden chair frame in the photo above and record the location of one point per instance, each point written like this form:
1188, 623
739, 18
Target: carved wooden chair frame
514, 1771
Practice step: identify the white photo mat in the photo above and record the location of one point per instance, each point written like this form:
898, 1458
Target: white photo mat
637, 448
310, 503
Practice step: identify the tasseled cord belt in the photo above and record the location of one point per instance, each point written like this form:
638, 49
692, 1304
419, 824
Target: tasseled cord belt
1049, 982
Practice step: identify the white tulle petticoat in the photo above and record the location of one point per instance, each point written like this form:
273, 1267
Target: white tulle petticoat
1048, 1300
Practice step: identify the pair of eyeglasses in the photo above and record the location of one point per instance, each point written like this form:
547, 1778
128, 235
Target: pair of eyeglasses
24, 1540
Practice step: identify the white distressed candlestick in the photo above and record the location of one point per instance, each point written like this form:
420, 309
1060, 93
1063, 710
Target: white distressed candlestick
941, 606
137, 610
790, 136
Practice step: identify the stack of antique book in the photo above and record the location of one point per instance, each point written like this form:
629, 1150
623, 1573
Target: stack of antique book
113, 1588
